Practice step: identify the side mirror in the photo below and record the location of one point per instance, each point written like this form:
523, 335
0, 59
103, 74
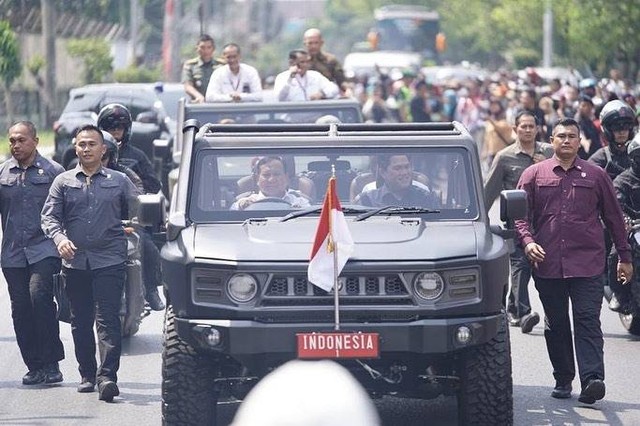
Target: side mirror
513, 205
147, 117
152, 210
161, 148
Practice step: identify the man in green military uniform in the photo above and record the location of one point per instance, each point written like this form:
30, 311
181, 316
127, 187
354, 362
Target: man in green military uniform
323, 62
196, 72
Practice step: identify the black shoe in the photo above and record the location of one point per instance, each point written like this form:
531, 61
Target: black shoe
593, 391
34, 377
513, 320
562, 391
86, 385
107, 390
529, 321
153, 299
52, 373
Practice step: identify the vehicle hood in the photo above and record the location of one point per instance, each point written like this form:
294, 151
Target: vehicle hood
376, 239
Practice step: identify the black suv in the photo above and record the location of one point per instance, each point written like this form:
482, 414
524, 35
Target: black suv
420, 301
147, 110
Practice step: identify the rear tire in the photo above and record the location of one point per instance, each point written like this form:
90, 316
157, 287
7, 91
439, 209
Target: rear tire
188, 394
486, 393
133, 301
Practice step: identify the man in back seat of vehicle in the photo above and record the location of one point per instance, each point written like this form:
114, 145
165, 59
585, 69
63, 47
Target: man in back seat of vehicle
272, 180
399, 188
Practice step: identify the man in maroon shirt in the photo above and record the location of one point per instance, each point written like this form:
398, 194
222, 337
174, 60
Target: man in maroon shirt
563, 239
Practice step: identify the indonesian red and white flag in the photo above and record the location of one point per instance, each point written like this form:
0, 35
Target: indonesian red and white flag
332, 235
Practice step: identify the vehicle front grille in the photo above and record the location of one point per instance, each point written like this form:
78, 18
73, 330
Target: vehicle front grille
284, 290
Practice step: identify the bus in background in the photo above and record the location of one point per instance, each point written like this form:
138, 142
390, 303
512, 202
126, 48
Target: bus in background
404, 36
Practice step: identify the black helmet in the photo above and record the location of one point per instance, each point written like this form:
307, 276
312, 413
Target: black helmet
616, 113
112, 150
633, 149
115, 115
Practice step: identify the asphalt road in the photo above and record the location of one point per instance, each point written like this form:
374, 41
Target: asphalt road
139, 381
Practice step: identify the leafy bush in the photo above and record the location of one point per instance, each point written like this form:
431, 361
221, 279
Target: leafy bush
133, 74
96, 57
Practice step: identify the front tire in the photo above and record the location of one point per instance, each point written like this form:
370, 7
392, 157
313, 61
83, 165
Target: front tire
631, 322
486, 393
188, 394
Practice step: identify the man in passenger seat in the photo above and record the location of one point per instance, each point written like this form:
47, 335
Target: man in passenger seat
272, 180
399, 188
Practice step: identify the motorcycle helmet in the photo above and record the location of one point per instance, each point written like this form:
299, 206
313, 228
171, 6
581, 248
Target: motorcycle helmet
633, 151
587, 82
112, 150
113, 116
616, 115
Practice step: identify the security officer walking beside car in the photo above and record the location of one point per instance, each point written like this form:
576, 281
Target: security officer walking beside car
29, 259
197, 71
82, 215
506, 168
562, 238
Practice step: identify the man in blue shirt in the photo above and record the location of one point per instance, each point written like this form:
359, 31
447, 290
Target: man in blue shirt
29, 259
82, 214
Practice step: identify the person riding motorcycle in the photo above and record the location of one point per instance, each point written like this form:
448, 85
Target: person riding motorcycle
617, 120
110, 161
627, 186
115, 120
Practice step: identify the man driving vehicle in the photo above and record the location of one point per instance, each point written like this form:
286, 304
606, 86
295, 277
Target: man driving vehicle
398, 187
272, 180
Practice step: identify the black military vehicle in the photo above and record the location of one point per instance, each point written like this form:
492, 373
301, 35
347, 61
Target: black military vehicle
420, 300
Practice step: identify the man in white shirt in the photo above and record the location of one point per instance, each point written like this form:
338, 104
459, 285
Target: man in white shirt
299, 83
234, 82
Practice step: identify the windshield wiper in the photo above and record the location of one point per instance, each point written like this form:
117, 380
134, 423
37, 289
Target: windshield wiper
316, 209
394, 210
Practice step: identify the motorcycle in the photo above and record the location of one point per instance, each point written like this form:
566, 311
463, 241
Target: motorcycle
133, 307
630, 310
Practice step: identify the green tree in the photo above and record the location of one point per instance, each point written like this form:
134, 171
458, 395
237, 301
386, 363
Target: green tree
10, 67
95, 55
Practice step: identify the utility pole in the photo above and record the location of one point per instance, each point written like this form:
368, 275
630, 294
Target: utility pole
171, 40
547, 30
49, 41
133, 33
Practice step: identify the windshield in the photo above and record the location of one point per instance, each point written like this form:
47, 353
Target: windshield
407, 34
236, 185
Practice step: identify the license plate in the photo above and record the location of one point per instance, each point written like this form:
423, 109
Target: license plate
338, 345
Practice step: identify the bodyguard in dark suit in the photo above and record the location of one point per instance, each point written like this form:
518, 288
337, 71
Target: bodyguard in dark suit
29, 259
82, 215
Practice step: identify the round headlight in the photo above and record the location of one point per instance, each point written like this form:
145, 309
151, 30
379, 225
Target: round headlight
428, 285
242, 287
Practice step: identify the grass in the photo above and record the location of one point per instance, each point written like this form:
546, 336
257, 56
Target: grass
45, 145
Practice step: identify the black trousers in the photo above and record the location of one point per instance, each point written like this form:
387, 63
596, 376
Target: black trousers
586, 301
518, 302
152, 276
96, 296
33, 311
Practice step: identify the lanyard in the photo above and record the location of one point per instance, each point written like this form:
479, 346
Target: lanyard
237, 83
303, 88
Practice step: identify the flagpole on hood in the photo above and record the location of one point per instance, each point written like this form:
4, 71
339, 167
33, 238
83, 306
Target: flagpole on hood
336, 289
